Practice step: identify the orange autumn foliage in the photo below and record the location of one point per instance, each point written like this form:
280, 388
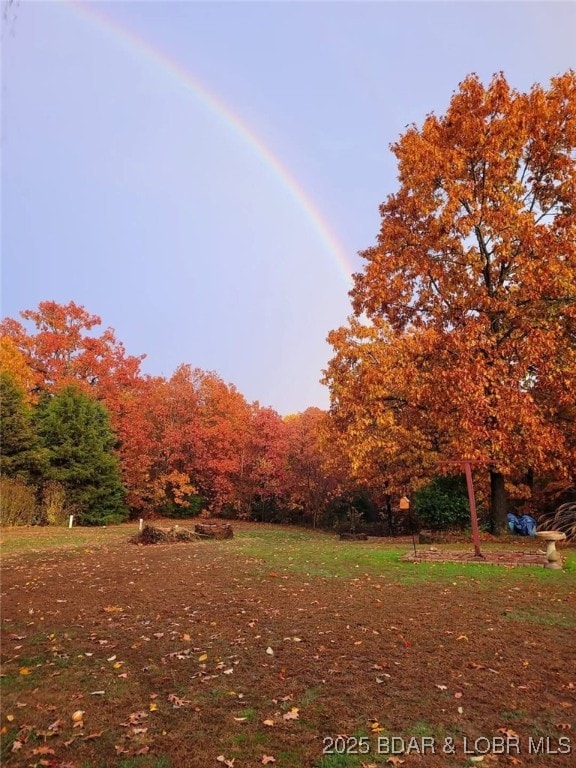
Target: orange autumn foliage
468, 299
13, 362
63, 349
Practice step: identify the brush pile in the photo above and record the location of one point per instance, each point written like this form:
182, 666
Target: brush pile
153, 535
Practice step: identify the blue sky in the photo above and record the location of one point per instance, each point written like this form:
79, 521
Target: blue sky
130, 191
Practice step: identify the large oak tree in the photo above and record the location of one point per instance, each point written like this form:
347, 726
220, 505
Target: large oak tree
476, 260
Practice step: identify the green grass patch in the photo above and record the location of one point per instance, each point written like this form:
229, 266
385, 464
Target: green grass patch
542, 616
340, 761
141, 761
321, 555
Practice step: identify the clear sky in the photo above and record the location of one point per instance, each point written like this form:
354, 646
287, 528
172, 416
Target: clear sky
202, 175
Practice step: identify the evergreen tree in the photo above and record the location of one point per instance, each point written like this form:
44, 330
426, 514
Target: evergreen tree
76, 430
22, 455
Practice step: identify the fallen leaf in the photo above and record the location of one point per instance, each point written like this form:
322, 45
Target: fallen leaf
93, 736
442, 687
461, 637
24, 671
266, 759
269, 651
43, 750
269, 723
78, 719
16, 745
394, 760
227, 763
134, 718
153, 706
203, 657
292, 714
177, 702
508, 732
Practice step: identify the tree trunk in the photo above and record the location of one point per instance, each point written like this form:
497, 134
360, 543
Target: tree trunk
498, 506
390, 515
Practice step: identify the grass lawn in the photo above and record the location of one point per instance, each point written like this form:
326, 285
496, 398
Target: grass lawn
282, 647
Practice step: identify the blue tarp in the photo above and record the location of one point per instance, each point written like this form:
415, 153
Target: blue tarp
524, 525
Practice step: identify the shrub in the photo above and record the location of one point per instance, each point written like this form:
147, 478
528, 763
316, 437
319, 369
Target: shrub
443, 503
55, 508
180, 511
18, 502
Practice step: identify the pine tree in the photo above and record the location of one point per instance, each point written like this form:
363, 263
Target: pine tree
22, 455
76, 430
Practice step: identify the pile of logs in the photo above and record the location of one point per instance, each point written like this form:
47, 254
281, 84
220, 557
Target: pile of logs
214, 530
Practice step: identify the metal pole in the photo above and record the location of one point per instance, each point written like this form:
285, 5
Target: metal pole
473, 515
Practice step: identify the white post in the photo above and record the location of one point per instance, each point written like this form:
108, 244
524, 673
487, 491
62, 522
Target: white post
70, 521
140, 524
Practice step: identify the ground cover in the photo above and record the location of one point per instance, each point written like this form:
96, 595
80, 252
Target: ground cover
282, 647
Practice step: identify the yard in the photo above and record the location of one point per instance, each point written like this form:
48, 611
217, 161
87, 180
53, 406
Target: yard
282, 647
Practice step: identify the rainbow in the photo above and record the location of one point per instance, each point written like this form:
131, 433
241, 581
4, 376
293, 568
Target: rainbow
137, 45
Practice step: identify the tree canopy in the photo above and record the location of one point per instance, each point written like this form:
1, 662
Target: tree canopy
467, 302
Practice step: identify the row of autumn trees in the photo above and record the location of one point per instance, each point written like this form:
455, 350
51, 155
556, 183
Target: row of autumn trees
78, 412
463, 340
462, 344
